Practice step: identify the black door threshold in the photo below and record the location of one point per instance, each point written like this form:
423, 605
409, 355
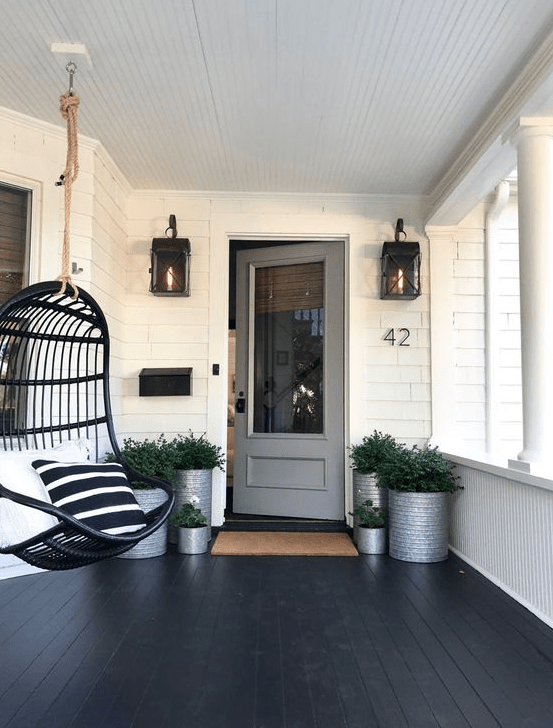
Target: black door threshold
246, 522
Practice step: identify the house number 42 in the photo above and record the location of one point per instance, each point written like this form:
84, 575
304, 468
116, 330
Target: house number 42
398, 337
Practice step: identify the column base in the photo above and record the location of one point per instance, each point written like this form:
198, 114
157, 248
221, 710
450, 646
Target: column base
521, 465
539, 468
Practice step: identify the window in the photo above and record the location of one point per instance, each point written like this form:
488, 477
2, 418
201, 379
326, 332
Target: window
15, 213
289, 348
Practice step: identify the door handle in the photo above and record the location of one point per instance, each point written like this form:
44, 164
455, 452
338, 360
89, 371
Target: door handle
241, 403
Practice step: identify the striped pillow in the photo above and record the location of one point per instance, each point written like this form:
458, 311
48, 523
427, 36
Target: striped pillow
99, 495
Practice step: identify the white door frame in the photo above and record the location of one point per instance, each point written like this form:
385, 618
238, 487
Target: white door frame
221, 235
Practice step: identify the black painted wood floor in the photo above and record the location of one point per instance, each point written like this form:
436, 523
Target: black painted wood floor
270, 642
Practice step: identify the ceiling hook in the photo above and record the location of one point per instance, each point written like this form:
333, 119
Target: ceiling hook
71, 69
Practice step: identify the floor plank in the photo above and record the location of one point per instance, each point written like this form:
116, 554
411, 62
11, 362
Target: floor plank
270, 642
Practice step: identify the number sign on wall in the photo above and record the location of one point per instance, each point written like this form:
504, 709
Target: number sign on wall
398, 337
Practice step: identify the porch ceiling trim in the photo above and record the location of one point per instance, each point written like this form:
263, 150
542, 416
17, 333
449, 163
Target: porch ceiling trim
490, 157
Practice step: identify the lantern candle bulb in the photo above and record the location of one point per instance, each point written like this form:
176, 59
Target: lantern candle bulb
170, 279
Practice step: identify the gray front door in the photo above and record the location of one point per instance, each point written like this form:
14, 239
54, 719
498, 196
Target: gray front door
289, 433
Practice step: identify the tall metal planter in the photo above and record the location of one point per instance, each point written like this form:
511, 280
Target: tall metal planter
156, 544
418, 526
365, 487
191, 484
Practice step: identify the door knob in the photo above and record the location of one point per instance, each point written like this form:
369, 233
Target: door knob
241, 403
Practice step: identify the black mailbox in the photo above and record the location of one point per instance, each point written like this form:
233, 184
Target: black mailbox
165, 382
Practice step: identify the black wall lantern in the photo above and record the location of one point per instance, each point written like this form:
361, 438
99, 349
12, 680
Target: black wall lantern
401, 268
170, 263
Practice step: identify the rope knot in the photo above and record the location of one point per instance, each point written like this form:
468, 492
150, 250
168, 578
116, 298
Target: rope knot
66, 279
68, 102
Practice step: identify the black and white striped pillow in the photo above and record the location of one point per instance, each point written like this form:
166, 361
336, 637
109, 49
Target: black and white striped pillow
98, 494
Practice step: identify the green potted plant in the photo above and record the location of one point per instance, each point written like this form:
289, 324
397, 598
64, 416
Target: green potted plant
373, 450
150, 457
194, 459
418, 481
153, 458
371, 528
191, 525
367, 457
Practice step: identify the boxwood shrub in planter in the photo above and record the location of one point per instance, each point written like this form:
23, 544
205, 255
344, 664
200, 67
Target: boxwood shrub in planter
150, 457
371, 531
371, 452
153, 458
419, 481
367, 457
194, 459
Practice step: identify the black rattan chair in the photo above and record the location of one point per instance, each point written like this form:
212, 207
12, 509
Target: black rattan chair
54, 387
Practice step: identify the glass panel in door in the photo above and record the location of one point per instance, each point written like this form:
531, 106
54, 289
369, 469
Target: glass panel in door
288, 349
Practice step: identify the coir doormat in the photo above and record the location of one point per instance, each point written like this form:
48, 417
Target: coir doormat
282, 543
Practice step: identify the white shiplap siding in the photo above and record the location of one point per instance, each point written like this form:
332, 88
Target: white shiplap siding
469, 337
166, 331
465, 299
509, 374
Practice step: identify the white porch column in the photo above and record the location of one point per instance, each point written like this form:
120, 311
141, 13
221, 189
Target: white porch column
535, 208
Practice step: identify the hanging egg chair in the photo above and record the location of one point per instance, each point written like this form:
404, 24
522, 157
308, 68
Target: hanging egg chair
59, 507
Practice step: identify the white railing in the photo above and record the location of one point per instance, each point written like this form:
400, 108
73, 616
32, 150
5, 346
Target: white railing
502, 524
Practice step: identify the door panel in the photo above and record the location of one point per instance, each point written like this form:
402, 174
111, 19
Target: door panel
288, 449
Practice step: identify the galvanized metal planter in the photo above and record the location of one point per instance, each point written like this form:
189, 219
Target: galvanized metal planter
156, 544
418, 526
372, 540
192, 540
365, 487
189, 485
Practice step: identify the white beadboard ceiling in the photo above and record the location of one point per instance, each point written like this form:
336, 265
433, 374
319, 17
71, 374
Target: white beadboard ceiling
308, 96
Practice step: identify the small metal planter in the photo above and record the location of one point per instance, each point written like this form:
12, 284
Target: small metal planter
192, 540
372, 540
191, 484
418, 526
365, 487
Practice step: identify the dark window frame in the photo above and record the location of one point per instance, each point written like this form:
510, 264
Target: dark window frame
16, 204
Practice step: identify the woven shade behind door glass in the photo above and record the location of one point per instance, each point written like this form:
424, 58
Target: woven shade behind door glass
289, 287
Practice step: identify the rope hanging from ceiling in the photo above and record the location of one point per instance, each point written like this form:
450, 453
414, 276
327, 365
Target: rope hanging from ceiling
69, 105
